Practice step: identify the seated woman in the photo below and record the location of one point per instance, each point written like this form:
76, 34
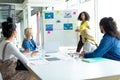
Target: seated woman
88, 40
9, 54
109, 46
28, 42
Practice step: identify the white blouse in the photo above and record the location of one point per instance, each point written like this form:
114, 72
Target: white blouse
89, 47
11, 51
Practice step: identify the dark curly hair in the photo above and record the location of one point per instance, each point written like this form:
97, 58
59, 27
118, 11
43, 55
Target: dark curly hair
87, 17
110, 27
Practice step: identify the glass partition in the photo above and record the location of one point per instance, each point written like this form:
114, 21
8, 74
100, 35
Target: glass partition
6, 11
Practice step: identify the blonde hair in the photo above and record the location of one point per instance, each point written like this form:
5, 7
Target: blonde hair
86, 36
28, 32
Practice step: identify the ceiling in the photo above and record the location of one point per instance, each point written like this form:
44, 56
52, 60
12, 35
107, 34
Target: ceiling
12, 1
6, 10
9, 10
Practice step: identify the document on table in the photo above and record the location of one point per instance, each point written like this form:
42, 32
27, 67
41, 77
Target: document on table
52, 59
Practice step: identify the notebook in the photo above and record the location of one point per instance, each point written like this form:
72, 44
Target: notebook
91, 60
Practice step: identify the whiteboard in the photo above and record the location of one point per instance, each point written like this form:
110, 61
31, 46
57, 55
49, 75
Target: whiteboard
60, 26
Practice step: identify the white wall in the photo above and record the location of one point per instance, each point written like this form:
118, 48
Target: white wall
108, 8
89, 7
101, 9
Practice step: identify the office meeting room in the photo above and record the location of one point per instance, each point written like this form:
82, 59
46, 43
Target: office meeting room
59, 40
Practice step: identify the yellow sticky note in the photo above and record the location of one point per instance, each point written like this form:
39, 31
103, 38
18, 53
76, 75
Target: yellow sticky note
45, 21
75, 24
67, 31
44, 12
74, 20
57, 12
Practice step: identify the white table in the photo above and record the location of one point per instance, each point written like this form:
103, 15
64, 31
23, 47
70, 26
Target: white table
71, 69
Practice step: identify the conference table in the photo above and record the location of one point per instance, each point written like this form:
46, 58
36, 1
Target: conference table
61, 66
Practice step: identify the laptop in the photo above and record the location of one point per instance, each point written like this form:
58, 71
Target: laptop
51, 47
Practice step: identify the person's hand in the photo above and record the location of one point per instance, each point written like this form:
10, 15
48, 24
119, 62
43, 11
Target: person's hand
34, 53
25, 51
82, 54
77, 30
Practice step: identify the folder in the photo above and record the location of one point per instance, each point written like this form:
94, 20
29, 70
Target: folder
91, 60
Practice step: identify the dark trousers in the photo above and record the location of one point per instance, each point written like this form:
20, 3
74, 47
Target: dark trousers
80, 44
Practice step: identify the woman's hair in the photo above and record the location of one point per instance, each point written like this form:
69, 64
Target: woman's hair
8, 28
27, 32
87, 17
109, 26
9, 19
86, 36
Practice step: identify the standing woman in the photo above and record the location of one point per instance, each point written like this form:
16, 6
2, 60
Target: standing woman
9, 54
84, 17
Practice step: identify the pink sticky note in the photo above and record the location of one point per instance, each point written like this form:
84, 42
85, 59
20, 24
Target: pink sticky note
74, 13
48, 32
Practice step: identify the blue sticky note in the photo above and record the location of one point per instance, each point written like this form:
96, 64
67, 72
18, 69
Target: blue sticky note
49, 27
49, 15
68, 26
